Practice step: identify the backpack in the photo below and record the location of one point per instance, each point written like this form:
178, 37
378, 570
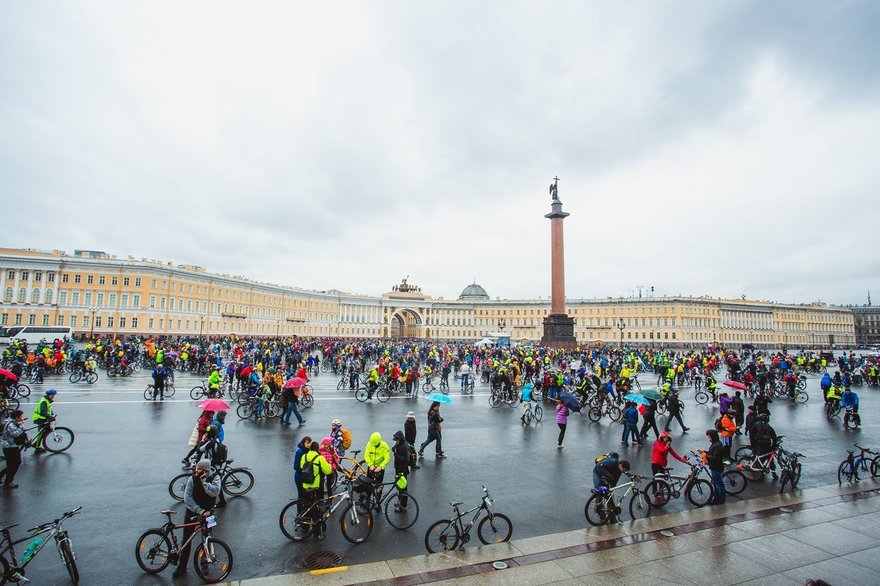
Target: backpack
604, 457
346, 439
219, 455
307, 471
718, 426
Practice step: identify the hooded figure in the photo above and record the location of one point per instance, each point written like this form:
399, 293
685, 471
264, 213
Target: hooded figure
377, 456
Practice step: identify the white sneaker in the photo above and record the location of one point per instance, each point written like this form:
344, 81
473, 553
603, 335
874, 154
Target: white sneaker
559, 447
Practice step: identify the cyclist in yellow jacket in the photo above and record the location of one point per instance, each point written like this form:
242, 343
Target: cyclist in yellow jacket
377, 456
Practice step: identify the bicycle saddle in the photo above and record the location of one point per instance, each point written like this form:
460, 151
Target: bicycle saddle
168, 512
230, 460
455, 504
7, 528
354, 452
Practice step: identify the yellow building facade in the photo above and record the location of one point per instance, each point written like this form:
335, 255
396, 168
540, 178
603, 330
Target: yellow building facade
94, 292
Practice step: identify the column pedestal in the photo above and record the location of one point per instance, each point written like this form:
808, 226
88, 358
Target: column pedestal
559, 332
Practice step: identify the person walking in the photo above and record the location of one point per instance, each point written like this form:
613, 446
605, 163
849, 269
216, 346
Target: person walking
673, 405
290, 399
199, 432
199, 496
562, 413
434, 431
714, 458
649, 421
739, 409
727, 430
630, 423
409, 433
12, 438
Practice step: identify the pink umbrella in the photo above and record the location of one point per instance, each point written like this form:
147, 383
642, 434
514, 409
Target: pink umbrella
214, 405
295, 383
8, 374
736, 385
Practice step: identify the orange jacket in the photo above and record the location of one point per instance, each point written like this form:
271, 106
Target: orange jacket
728, 427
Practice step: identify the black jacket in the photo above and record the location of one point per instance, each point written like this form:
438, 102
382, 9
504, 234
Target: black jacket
409, 431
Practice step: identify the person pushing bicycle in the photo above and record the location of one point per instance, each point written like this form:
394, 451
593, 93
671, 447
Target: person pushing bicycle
43, 417
199, 496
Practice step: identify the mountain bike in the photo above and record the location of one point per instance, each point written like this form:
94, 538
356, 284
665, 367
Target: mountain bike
150, 392
51, 438
156, 548
604, 505
235, 481
451, 534
300, 518
398, 514
666, 486
848, 470
13, 572
604, 408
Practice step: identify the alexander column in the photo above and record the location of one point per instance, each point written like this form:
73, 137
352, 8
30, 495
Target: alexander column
558, 327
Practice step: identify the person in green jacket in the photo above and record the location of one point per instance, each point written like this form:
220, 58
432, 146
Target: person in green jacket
43, 417
313, 491
377, 456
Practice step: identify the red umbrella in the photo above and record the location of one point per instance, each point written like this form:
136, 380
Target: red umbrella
10, 375
736, 385
295, 383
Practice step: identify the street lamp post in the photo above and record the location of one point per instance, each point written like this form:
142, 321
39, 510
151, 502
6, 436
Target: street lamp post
93, 310
201, 324
501, 324
621, 326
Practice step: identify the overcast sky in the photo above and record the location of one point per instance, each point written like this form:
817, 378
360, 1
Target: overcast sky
705, 148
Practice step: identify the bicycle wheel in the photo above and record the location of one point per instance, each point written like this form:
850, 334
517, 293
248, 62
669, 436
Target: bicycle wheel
245, 411
272, 409
539, 413
596, 510
307, 400
743, 452
75, 377
356, 522
639, 506
795, 475
238, 482
784, 478
58, 440
699, 493
801, 397
494, 400
527, 417
845, 472
153, 551
382, 395
92, 378
23, 390
875, 467
169, 391
659, 492
751, 469
615, 413
401, 517
362, 395
701, 397
197, 393
341, 384
443, 535
495, 528
177, 486
295, 526
213, 560
69, 559
595, 414
149, 393
734, 481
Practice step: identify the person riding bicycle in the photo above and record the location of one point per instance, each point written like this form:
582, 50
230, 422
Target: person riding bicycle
377, 456
712, 386
791, 381
526, 400
199, 497
372, 382
43, 417
606, 473
850, 401
833, 395
214, 380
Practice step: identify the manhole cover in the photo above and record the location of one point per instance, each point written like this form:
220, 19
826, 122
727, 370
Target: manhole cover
665, 533
499, 566
321, 560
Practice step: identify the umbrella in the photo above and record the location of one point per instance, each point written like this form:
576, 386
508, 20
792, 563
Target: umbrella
652, 394
10, 375
440, 398
214, 405
637, 399
736, 385
294, 383
570, 401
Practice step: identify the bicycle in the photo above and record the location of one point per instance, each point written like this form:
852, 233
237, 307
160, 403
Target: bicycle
90, 376
49, 438
666, 486
529, 413
468, 389
451, 534
604, 408
848, 470
603, 506
791, 469
497, 397
13, 572
832, 408
398, 515
235, 481
156, 548
382, 394
150, 392
754, 466
18, 390
298, 520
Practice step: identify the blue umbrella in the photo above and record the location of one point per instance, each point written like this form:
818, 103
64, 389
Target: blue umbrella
440, 398
637, 399
570, 401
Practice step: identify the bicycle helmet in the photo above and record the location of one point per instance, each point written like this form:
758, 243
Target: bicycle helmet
51, 392
336, 423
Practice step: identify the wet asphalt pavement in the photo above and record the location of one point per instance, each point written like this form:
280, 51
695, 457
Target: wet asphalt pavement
127, 450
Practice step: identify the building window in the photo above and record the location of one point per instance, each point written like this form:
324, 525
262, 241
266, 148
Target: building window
87, 298
10, 275
152, 302
24, 275
59, 320
136, 301
18, 319
125, 281
134, 322
75, 298
110, 321
76, 279
124, 300
48, 295
112, 299
137, 282
64, 278
35, 296
114, 281
50, 277
22, 295
150, 323
85, 321
38, 276
7, 296
46, 319
101, 280
98, 321
90, 279
121, 322
32, 319
73, 321
4, 319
